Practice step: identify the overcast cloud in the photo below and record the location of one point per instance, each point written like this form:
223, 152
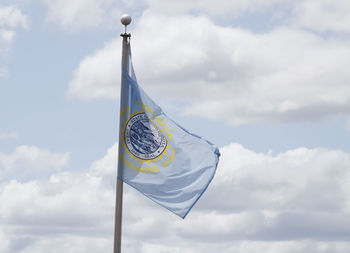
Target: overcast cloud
11, 17
29, 160
286, 74
78, 15
256, 201
9, 135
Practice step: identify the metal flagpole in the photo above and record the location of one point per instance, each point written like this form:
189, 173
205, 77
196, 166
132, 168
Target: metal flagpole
126, 20
118, 217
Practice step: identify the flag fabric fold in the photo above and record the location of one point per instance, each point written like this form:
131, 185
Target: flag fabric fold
158, 157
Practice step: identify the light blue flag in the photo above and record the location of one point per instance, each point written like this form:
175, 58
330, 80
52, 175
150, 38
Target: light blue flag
159, 158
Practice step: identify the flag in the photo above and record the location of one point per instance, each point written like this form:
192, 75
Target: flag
158, 157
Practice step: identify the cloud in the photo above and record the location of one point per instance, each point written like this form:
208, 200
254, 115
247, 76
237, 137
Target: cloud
4, 241
251, 247
8, 135
320, 16
3, 73
82, 14
224, 7
69, 244
70, 211
28, 160
294, 177
226, 73
106, 167
323, 15
6, 35
12, 16
295, 201
102, 82
6, 39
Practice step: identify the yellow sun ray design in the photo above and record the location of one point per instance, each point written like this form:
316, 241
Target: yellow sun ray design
131, 155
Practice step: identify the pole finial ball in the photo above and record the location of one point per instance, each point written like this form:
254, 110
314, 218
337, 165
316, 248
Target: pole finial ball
125, 19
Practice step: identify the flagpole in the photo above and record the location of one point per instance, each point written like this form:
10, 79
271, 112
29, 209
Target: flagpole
125, 20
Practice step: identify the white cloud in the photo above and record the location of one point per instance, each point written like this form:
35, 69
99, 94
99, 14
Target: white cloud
28, 160
5, 243
222, 7
3, 72
252, 247
6, 40
107, 166
231, 74
12, 16
8, 135
321, 16
82, 14
295, 201
102, 81
300, 180
62, 243
6, 35
324, 15
300, 196
70, 211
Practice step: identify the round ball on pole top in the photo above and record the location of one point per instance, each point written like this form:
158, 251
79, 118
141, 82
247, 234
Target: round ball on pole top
126, 19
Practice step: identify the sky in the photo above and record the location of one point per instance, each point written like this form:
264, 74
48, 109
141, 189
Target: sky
267, 81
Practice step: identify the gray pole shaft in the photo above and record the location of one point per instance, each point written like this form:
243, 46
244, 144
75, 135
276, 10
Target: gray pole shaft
119, 190
118, 217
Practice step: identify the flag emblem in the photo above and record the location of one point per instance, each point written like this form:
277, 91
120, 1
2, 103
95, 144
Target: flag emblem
143, 139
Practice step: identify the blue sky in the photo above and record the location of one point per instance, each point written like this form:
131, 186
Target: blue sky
266, 81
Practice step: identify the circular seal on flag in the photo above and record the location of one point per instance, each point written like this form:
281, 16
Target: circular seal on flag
143, 139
